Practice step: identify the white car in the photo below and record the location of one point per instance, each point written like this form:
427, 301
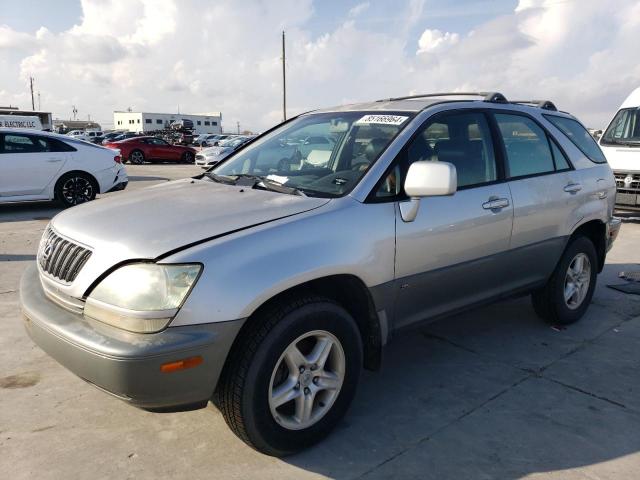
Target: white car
208, 157
49, 166
621, 145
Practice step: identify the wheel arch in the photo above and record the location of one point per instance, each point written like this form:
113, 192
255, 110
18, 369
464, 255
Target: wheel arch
596, 231
347, 290
92, 178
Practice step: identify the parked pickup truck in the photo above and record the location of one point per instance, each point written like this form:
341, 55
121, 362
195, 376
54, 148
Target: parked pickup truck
268, 282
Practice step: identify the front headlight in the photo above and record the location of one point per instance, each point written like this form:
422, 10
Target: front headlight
142, 297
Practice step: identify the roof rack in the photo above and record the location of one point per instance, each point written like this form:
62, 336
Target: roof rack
494, 97
544, 104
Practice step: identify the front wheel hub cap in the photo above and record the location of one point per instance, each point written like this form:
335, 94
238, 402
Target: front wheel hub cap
298, 396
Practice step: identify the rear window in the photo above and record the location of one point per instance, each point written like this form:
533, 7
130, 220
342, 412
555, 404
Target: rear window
579, 136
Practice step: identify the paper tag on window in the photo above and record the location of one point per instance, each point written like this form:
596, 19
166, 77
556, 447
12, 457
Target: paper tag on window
383, 119
278, 179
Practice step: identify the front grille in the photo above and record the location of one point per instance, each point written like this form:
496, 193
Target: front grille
628, 182
61, 258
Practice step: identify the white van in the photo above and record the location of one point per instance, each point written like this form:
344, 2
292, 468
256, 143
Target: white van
621, 145
20, 121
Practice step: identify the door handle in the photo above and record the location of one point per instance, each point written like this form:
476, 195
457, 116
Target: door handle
573, 188
495, 203
54, 160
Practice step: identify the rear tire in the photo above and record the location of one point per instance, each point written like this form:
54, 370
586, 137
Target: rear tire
567, 295
136, 157
316, 393
74, 188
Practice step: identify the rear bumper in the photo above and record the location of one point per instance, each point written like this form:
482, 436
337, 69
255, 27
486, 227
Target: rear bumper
613, 228
124, 364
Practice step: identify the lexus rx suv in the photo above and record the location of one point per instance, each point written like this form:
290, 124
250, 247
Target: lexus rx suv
267, 283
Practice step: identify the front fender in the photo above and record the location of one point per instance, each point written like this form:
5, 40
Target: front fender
245, 269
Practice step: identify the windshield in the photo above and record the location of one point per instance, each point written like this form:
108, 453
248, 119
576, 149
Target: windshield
293, 155
624, 128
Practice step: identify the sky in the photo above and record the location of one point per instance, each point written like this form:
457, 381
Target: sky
224, 55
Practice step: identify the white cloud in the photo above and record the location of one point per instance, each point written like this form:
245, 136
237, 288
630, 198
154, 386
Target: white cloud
358, 9
224, 55
433, 40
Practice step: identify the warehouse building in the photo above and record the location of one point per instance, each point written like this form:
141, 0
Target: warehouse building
148, 122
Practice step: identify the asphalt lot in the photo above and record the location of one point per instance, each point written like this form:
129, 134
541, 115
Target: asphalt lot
493, 393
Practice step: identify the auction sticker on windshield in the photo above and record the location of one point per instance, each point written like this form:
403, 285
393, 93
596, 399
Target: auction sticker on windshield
383, 119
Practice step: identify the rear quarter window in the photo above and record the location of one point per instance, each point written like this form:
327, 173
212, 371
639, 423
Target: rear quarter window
579, 136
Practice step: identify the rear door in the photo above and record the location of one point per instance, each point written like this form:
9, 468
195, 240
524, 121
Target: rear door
452, 254
28, 163
546, 191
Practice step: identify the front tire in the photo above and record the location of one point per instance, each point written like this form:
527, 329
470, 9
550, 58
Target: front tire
567, 295
75, 188
188, 157
292, 376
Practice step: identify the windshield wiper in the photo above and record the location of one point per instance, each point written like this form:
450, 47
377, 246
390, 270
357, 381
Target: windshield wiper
278, 187
254, 181
220, 178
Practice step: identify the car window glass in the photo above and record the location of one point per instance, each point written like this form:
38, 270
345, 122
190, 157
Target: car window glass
561, 160
526, 145
580, 137
324, 154
462, 139
15, 143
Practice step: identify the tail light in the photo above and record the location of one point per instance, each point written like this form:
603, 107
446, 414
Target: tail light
117, 159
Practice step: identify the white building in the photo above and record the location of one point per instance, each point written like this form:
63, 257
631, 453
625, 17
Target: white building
146, 122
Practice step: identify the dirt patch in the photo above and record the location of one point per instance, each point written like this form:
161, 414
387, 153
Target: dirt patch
22, 380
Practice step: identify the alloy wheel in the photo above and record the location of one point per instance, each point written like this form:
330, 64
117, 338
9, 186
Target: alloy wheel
306, 380
76, 190
137, 157
577, 280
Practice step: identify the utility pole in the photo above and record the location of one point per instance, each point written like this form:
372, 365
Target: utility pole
284, 82
238, 124
33, 103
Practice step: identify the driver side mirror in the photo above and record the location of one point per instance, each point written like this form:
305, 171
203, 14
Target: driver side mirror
427, 179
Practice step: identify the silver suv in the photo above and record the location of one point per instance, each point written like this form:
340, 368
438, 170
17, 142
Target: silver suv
267, 283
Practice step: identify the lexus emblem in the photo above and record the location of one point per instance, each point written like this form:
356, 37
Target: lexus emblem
628, 180
48, 250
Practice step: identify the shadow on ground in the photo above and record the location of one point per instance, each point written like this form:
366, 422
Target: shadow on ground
21, 212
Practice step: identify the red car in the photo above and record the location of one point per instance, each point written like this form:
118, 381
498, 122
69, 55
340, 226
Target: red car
140, 149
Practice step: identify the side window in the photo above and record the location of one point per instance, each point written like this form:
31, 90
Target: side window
56, 145
462, 139
526, 145
15, 143
579, 136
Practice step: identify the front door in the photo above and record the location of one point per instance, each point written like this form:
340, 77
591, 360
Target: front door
452, 254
